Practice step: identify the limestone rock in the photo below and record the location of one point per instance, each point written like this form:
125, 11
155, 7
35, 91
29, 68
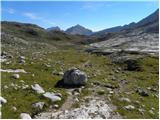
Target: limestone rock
25, 116
38, 105
52, 96
37, 88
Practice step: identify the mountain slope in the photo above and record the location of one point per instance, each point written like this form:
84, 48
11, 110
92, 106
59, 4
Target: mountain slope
143, 38
78, 30
153, 18
56, 28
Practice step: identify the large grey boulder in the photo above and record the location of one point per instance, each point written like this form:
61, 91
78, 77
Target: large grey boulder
74, 77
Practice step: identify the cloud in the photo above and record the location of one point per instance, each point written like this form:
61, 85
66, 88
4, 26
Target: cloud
93, 6
9, 10
33, 16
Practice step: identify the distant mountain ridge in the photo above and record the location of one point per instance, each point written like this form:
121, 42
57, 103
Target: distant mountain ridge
78, 30
56, 28
152, 18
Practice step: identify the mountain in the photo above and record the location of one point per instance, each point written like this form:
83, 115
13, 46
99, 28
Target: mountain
56, 28
31, 36
78, 30
142, 37
153, 18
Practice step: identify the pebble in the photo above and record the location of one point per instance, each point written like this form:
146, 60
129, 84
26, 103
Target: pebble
129, 107
16, 76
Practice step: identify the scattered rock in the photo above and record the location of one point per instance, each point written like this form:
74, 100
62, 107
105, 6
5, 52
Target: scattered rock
151, 112
16, 76
143, 93
52, 96
56, 106
57, 73
132, 65
129, 107
108, 85
14, 71
25, 87
76, 100
5, 87
37, 88
58, 94
38, 105
22, 61
125, 99
2, 100
14, 108
25, 116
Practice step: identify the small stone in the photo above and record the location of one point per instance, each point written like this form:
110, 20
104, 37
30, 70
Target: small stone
14, 108
125, 99
143, 93
52, 96
56, 106
151, 112
2, 100
111, 92
5, 87
129, 107
37, 88
25, 116
39, 105
21, 81
25, 87
22, 61
16, 76
58, 94
76, 100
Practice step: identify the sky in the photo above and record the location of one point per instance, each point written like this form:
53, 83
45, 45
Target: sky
92, 15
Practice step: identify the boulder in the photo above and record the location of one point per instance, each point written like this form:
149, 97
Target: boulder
52, 96
37, 88
74, 77
25, 116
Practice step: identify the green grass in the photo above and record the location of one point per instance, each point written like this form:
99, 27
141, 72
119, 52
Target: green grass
100, 68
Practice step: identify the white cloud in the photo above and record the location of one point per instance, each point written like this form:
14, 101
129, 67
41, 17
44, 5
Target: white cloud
9, 10
33, 16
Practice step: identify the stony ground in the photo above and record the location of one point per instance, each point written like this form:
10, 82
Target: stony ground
117, 90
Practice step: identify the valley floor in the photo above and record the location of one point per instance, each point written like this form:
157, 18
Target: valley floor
125, 89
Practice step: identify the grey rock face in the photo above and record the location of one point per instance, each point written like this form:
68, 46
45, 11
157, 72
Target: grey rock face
74, 77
